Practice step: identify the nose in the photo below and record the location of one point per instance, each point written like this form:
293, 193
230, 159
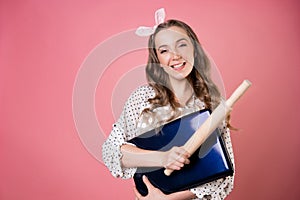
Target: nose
175, 55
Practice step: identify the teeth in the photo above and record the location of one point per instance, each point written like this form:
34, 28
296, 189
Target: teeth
178, 66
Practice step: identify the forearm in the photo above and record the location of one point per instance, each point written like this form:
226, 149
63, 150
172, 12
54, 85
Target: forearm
136, 157
183, 195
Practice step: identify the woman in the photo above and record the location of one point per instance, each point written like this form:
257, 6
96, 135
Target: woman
178, 72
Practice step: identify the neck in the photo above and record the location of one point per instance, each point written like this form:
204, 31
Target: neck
182, 90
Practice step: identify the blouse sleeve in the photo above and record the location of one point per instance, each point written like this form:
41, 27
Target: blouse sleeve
220, 188
123, 130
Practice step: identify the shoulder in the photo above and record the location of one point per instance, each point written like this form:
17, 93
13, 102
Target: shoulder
139, 98
142, 93
145, 90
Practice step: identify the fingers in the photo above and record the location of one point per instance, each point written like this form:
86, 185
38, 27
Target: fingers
137, 194
149, 186
147, 183
181, 151
177, 158
187, 161
176, 165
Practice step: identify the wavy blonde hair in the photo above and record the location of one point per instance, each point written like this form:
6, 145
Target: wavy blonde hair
199, 78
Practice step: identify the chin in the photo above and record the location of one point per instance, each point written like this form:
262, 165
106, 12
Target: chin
180, 76
185, 73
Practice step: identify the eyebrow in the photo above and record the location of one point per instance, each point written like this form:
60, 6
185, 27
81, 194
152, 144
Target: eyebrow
164, 45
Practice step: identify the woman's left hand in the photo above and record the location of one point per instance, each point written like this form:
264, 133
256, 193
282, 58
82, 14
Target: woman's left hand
153, 192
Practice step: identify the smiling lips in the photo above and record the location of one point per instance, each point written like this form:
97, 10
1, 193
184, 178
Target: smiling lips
179, 66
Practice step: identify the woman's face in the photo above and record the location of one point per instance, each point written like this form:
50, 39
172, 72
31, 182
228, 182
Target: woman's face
175, 52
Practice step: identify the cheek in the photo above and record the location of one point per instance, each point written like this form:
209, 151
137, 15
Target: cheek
191, 60
187, 54
191, 57
163, 59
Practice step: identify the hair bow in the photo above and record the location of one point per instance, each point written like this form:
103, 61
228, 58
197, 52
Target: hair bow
159, 18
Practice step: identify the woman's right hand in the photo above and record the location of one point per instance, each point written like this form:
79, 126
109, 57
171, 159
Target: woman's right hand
175, 158
156, 194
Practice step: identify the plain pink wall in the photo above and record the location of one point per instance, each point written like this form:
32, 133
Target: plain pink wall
44, 43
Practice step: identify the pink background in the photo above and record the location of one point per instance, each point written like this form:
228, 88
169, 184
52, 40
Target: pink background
43, 44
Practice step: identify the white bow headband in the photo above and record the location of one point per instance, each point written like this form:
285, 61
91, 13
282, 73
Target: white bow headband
159, 18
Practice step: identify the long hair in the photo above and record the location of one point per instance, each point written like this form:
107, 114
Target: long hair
199, 78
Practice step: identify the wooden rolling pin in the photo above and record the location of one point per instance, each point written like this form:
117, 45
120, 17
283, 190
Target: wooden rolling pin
213, 121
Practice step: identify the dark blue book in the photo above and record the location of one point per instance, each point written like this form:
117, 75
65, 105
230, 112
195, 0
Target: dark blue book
209, 162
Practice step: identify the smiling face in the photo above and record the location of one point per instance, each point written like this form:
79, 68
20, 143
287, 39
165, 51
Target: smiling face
175, 52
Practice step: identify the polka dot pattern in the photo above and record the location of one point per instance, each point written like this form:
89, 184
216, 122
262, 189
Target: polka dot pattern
132, 123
